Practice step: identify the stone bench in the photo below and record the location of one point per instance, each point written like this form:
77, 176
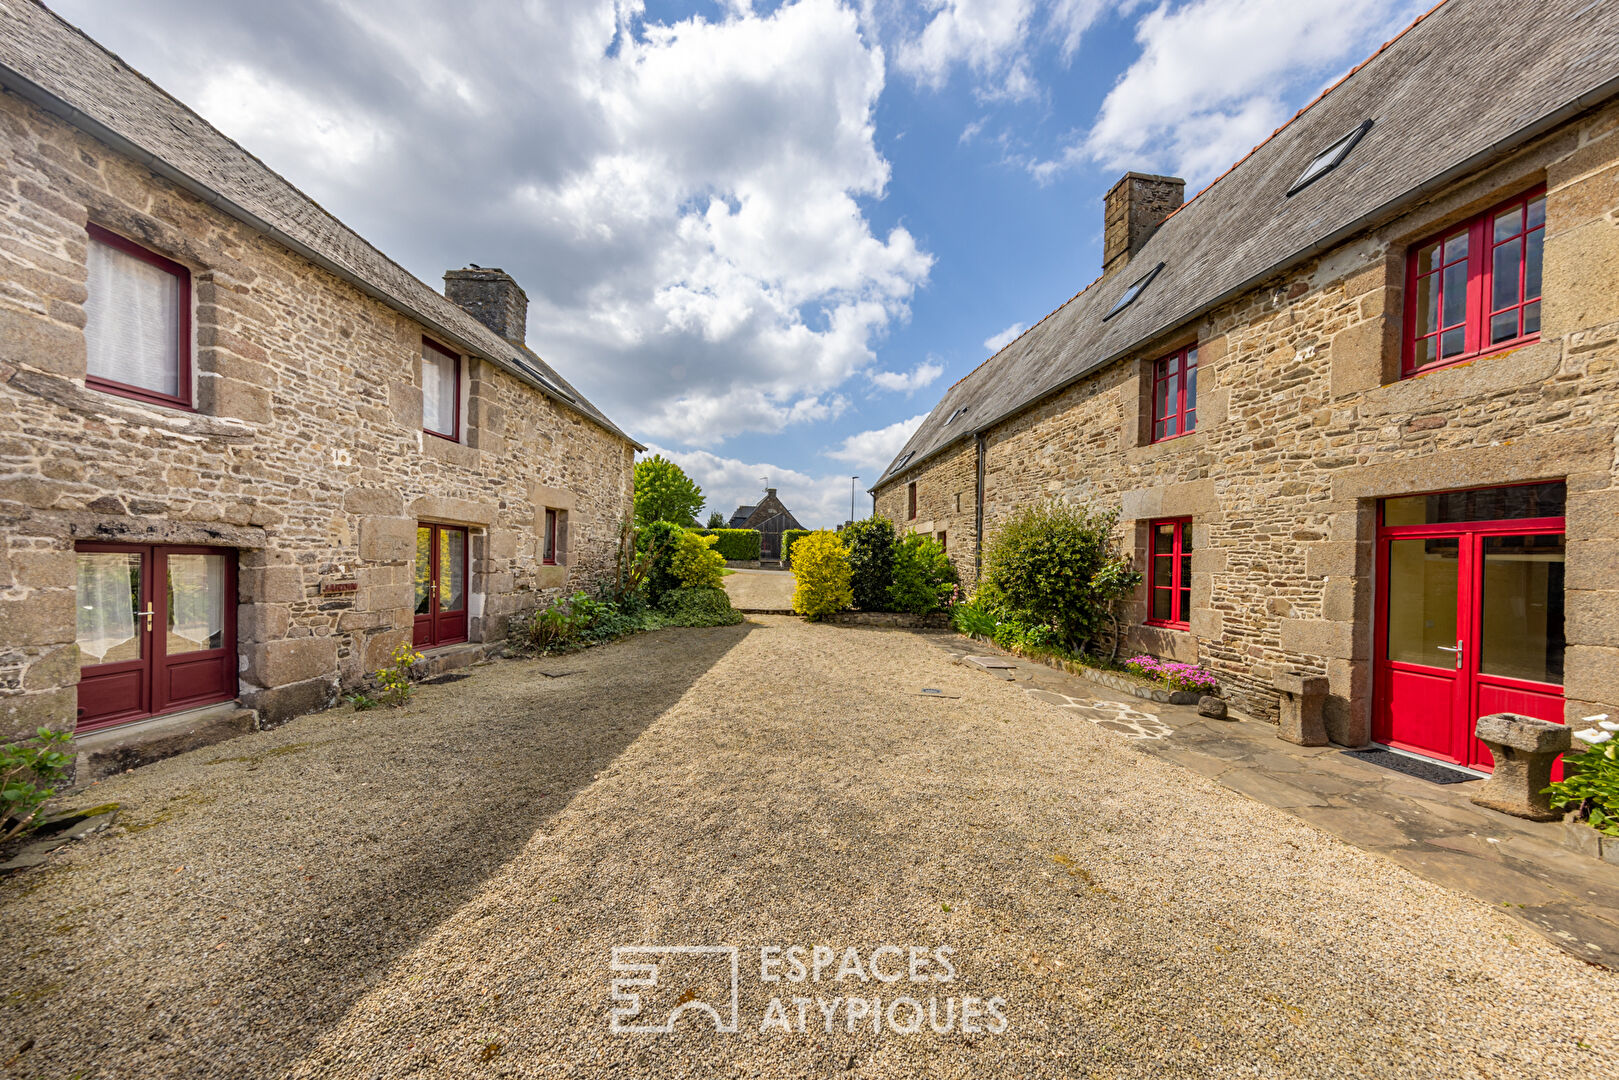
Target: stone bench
1524, 749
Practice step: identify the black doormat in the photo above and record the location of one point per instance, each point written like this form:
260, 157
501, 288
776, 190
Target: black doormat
1431, 771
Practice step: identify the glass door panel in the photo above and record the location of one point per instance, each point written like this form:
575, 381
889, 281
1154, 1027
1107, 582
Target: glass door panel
196, 601
109, 606
1422, 582
1521, 616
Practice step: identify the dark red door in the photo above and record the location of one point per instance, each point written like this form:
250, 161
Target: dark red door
156, 627
441, 586
1470, 620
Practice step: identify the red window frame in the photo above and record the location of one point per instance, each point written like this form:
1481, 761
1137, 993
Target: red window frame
454, 434
1463, 258
183, 400
1179, 585
548, 556
910, 491
1174, 395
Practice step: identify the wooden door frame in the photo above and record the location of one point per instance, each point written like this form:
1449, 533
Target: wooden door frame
433, 619
1469, 615
155, 661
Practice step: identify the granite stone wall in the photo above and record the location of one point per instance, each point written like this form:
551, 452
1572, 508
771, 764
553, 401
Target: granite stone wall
305, 453
1304, 424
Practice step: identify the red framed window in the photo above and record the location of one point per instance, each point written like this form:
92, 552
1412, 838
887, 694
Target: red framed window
549, 555
910, 495
441, 391
137, 322
1174, 395
1169, 574
1475, 287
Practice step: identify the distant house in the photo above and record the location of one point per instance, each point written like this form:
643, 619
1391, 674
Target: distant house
771, 518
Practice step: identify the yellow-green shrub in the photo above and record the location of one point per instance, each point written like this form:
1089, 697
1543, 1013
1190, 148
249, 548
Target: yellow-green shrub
821, 573
696, 564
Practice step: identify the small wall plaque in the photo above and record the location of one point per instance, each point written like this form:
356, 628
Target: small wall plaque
338, 588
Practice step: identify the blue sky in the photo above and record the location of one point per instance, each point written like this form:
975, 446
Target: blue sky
764, 237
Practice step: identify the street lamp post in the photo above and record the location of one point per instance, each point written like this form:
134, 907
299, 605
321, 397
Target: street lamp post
852, 479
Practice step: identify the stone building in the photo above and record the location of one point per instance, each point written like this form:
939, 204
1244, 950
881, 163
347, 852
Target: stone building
243, 455
1356, 401
771, 517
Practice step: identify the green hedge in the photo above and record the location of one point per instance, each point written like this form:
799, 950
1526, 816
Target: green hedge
787, 539
736, 545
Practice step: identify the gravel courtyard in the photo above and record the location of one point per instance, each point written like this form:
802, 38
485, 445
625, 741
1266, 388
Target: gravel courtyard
439, 891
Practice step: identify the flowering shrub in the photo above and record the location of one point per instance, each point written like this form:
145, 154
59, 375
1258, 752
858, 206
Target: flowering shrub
1590, 784
821, 575
1172, 675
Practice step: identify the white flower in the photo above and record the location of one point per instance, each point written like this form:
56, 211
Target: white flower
1593, 736
1597, 719
1608, 725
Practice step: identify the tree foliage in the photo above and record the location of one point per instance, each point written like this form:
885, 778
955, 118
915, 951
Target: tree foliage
695, 563
659, 540
1061, 565
924, 577
821, 575
716, 520
663, 492
871, 561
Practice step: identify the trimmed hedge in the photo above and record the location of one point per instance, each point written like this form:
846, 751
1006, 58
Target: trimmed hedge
787, 539
736, 545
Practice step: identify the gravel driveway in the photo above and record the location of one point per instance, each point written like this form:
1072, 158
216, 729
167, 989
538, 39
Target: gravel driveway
761, 590
438, 891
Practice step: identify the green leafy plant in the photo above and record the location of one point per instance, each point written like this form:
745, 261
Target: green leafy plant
663, 492
1060, 566
700, 606
563, 622
716, 520
29, 772
695, 563
659, 541
1590, 783
821, 575
969, 618
924, 576
361, 700
739, 545
789, 537
871, 545
393, 681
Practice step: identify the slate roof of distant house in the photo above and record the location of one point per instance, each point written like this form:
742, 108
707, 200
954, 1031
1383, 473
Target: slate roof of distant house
55, 65
740, 516
1469, 81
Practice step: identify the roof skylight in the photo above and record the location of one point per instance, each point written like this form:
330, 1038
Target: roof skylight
1132, 292
900, 464
957, 413
1328, 159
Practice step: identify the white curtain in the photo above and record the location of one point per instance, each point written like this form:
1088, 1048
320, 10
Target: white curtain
109, 585
196, 602
438, 391
132, 321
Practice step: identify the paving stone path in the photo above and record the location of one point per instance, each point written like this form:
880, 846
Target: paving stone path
468, 887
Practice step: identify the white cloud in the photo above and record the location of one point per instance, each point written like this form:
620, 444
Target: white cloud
996, 342
920, 376
995, 40
871, 451
818, 502
680, 200
1216, 77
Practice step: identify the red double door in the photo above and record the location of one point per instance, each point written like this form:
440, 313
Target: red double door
156, 628
1470, 621
441, 586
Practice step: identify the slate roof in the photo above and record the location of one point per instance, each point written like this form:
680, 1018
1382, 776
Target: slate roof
1467, 82
56, 66
739, 517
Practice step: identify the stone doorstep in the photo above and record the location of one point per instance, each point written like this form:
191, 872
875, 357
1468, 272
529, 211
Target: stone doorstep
449, 658
103, 753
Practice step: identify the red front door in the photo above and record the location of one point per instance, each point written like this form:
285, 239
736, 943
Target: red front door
1470, 622
441, 586
156, 628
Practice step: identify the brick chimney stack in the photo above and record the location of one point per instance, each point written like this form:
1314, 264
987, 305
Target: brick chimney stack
1132, 211
490, 295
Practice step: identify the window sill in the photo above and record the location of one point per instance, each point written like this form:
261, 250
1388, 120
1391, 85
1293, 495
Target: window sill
456, 439
1171, 438
1161, 625
145, 397
1458, 361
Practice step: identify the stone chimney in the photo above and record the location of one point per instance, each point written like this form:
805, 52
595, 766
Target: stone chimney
492, 297
1132, 211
